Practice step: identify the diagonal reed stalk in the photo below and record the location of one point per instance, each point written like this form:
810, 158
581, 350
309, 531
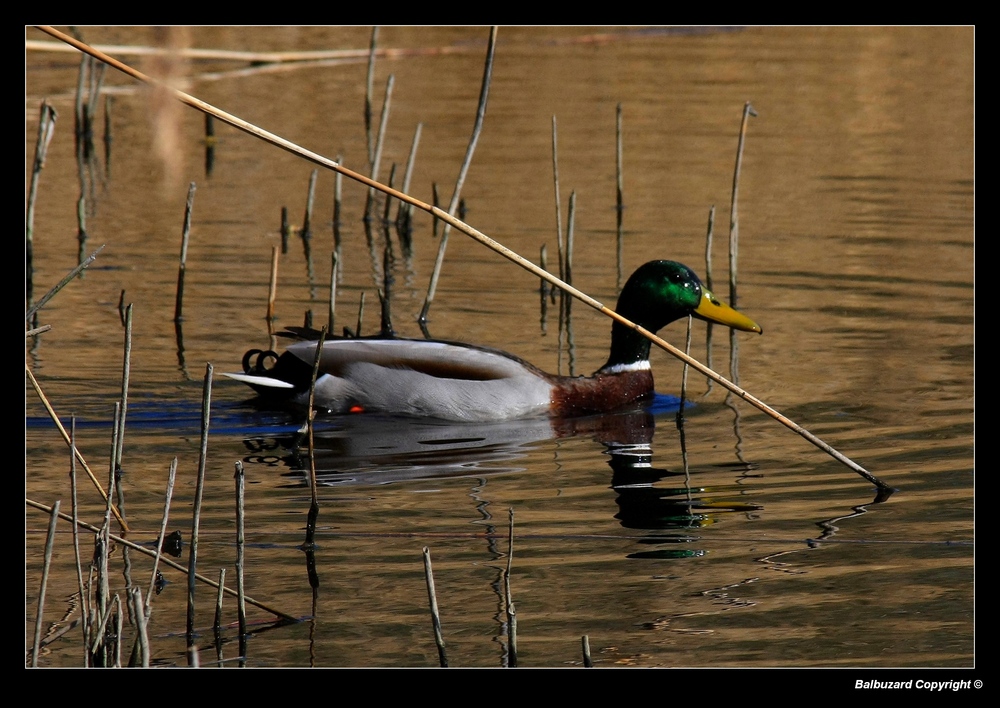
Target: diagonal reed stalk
165, 561
78, 454
277, 141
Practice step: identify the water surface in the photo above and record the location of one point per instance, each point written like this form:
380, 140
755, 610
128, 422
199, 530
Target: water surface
746, 547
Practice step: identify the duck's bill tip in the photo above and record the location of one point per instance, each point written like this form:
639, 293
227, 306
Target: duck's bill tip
711, 309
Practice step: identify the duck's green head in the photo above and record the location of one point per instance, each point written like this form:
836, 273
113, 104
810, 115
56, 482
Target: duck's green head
659, 293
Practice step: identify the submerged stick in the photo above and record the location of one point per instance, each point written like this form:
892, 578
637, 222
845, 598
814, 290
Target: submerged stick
481, 238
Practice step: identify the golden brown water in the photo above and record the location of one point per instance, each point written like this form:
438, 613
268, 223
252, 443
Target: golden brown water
856, 256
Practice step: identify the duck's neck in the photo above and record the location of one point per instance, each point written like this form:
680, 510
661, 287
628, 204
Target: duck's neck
629, 350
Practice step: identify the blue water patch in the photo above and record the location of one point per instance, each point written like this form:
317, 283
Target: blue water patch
667, 403
182, 416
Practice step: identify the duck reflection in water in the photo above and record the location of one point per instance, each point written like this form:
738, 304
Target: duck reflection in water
367, 450
652, 498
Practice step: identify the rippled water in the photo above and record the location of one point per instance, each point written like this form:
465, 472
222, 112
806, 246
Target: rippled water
736, 545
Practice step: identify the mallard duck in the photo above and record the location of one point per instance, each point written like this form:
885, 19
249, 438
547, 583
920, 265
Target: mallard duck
463, 382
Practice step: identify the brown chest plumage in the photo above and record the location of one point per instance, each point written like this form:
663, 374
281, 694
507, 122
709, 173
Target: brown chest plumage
600, 393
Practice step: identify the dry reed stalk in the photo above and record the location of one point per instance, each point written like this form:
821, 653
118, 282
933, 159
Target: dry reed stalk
121, 540
79, 455
217, 625
140, 625
734, 224
185, 238
306, 232
619, 194
452, 221
388, 202
310, 541
379, 141
477, 128
435, 616
210, 143
566, 304
67, 279
169, 495
369, 85
509, 598
81, 589
361, 314
46, 127
107, 137
126, 373
708, 283
734, 231
338, 186
585, 640
286, 229
119, 618
273, 286
334, 264
241, 599
405, 212
82, 139
684, 375
257, 58
49, 543
543, 289
217, 621
555, 184
206, 405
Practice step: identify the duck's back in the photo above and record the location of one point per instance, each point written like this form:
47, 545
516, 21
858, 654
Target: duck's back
425, 378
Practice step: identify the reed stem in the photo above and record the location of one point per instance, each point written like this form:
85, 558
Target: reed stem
477, 128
